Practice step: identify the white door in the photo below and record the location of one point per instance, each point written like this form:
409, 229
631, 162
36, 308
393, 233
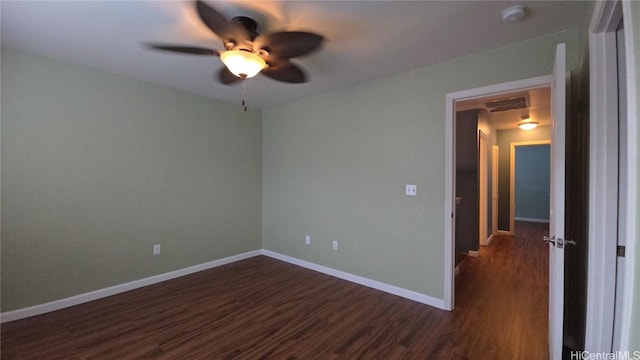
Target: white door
494, 189
482, 194
622, 183
557, 204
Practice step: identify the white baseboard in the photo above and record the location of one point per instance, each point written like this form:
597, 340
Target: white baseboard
474, 253
531, 220
116, 289
391, 289
489, 239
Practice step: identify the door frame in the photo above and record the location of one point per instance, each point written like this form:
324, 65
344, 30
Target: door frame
495, 157
483, 188
512, 177
603, 111
449, 194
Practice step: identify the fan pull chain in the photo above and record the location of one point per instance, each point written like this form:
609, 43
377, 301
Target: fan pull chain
244, 93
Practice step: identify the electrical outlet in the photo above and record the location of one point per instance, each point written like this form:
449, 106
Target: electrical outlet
156, 249
307, 240
335, 245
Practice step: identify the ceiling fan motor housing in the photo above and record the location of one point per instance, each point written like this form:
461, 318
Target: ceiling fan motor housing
248, 24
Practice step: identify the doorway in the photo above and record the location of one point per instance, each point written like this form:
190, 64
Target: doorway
483, 193
611, 65
559, 82
504, 93
450, 180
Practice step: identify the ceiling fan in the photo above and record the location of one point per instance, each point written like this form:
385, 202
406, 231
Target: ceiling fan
247, 53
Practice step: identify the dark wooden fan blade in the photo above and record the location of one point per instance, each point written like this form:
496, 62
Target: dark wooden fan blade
192, 50
289, 44
226, 77
286, 72
220, 26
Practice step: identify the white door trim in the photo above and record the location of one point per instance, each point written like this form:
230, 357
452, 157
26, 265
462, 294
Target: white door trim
603, 175
603, 180
632, 171
483, 193
494, 189
449, 174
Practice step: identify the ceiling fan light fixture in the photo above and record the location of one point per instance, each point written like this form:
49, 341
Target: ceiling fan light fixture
243, 64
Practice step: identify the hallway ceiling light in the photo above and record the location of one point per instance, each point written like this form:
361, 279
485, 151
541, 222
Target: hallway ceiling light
527, 124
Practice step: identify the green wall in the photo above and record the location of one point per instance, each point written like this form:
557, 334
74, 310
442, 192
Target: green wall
97, 168
335, 166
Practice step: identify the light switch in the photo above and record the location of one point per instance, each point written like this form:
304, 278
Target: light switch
411, 190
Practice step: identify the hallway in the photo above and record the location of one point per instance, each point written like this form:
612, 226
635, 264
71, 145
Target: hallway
502, 297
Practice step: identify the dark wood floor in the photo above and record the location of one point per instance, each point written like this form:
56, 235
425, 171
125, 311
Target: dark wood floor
502, 297
262, 308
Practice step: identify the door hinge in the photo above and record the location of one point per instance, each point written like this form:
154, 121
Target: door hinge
620, 251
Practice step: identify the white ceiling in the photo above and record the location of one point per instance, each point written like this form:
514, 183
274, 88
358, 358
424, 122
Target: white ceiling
539, 108
366, 39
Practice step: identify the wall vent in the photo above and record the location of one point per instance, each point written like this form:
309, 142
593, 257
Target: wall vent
512, 103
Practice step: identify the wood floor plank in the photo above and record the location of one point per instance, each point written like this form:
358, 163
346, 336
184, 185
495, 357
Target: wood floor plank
262, 308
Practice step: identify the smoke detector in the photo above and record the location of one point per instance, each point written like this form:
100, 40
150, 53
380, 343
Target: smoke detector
514, 13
